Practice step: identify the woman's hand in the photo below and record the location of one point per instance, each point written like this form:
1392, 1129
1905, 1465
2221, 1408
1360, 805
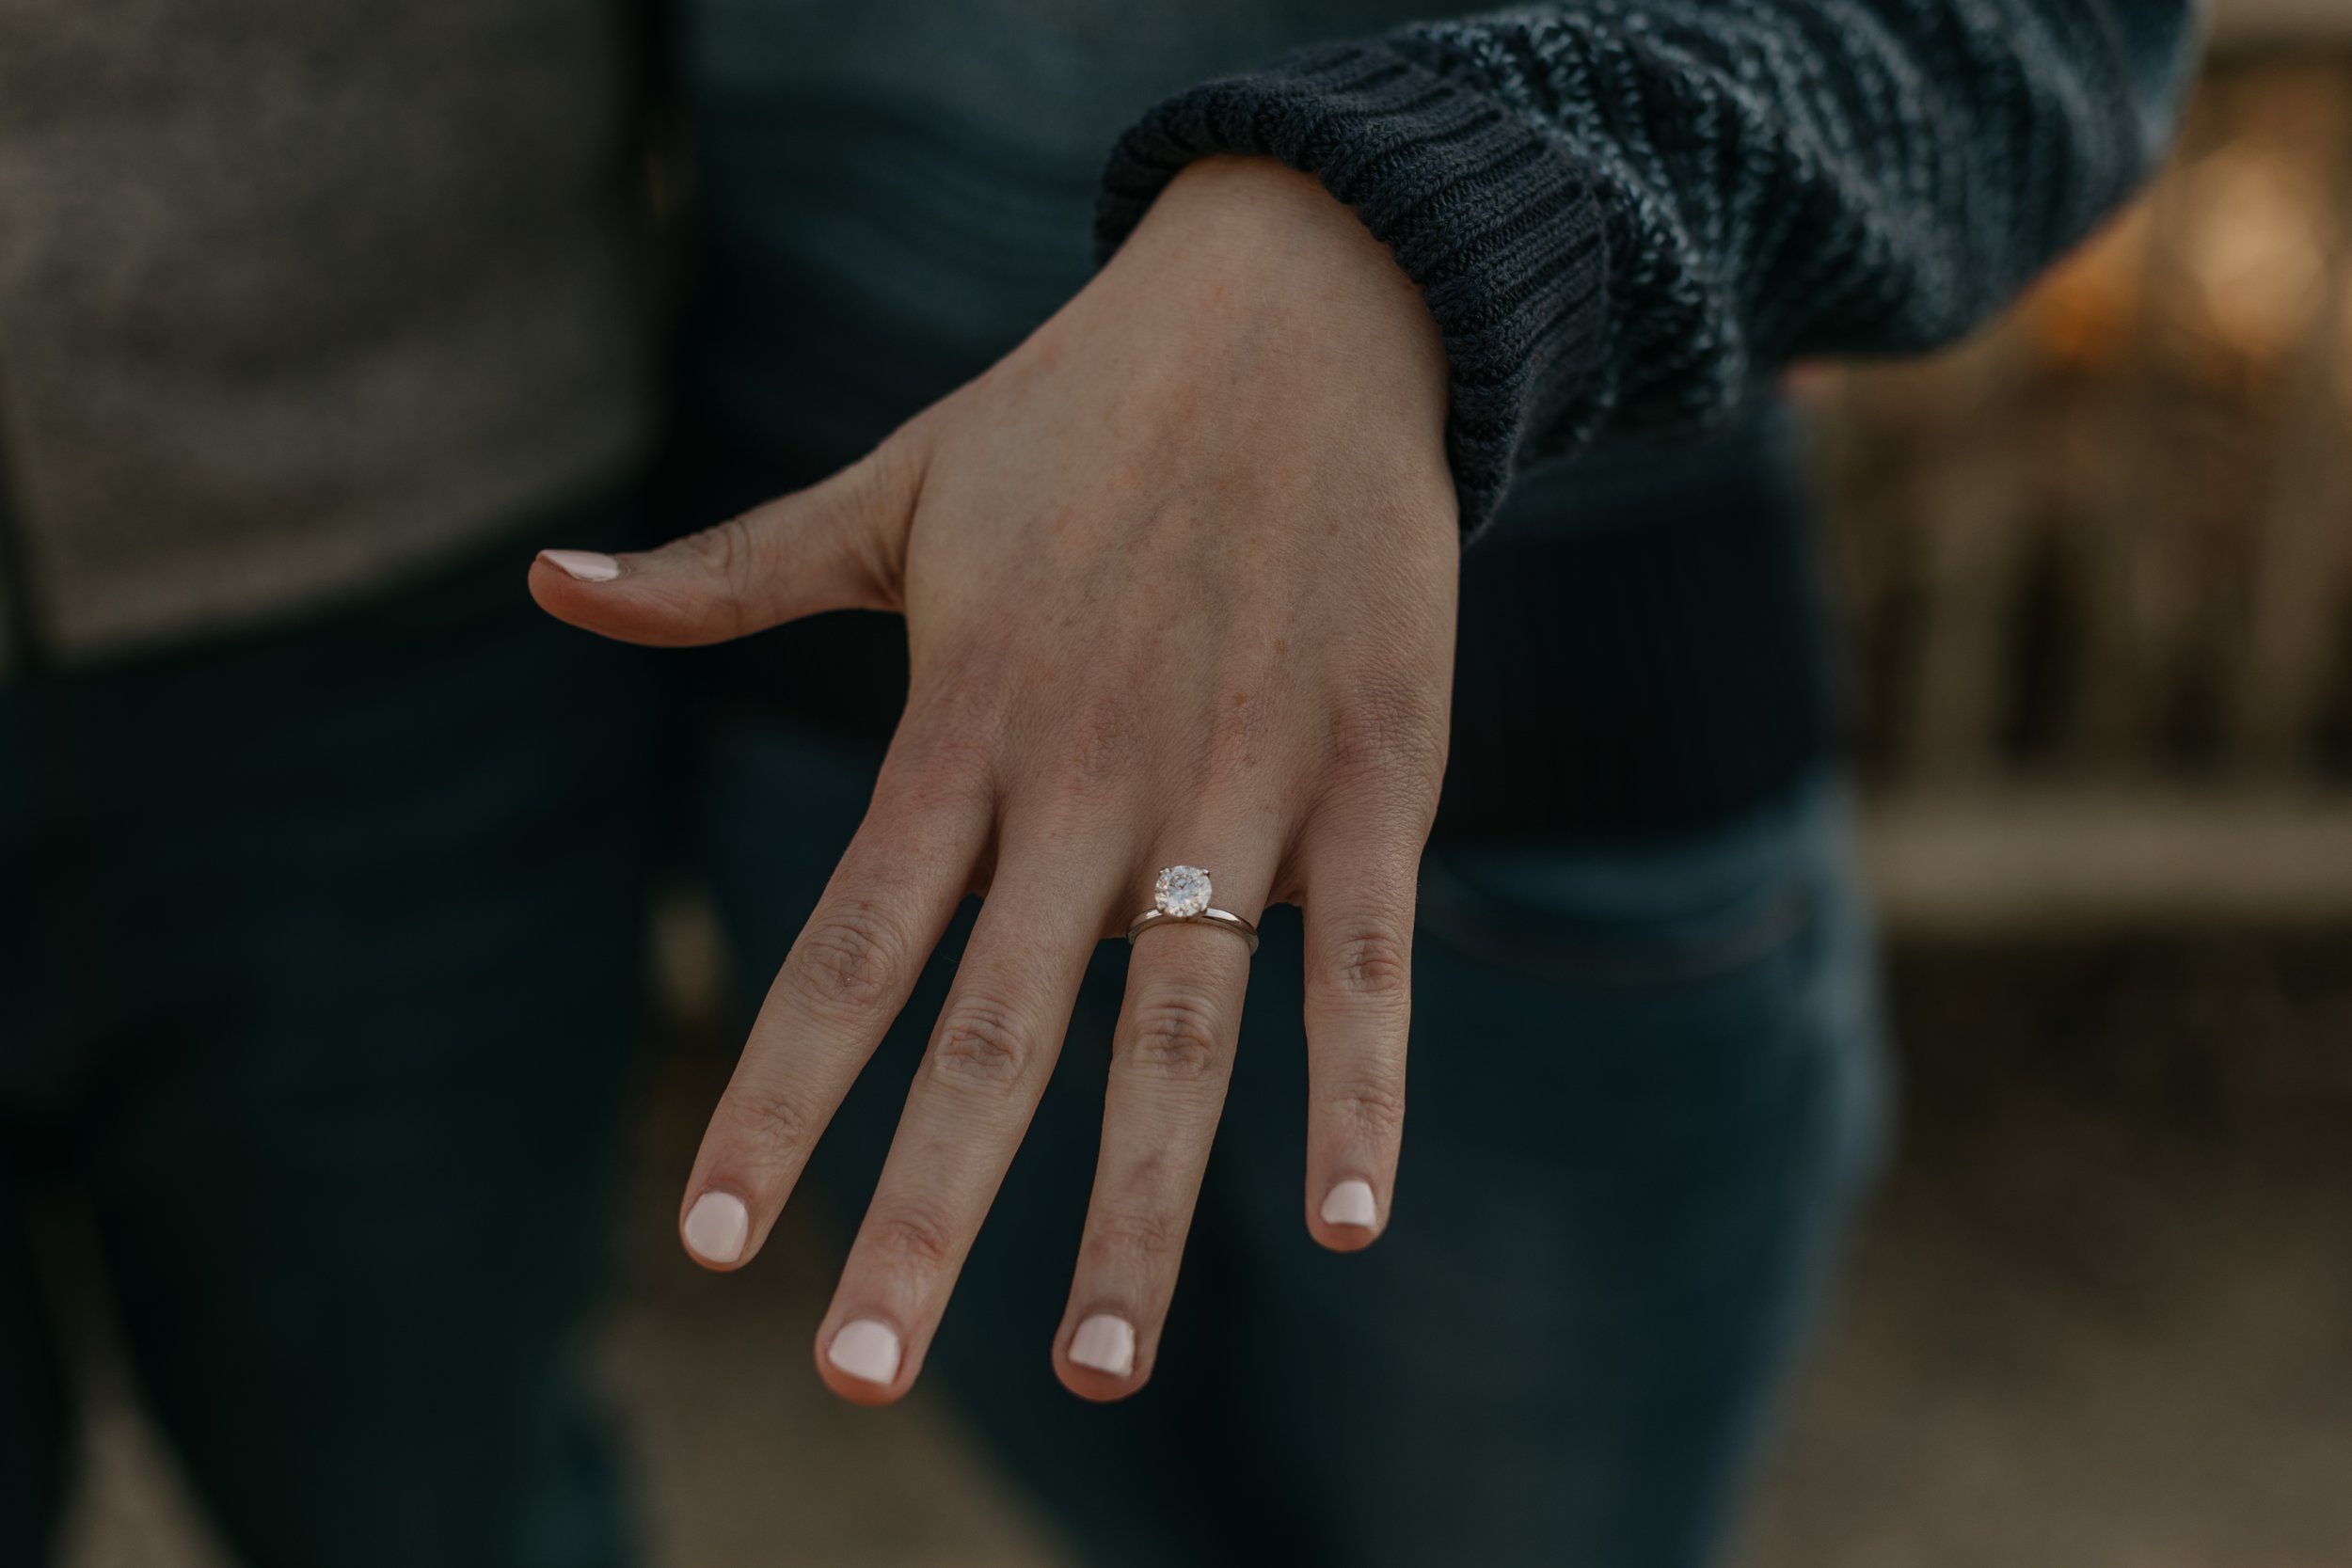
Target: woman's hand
1179, 583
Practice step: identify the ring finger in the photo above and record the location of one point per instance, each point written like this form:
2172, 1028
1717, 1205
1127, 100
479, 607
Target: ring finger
1171, 1058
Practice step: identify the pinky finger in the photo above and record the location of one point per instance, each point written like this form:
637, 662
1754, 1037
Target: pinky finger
1358, 987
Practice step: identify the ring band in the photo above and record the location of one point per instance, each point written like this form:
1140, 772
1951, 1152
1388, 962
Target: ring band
1180, 897
1226, 918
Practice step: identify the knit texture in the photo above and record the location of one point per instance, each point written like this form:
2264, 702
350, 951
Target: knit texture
1629, 215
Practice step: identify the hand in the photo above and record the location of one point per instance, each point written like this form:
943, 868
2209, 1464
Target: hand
1179, 580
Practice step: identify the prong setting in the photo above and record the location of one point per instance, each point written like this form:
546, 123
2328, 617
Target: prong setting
1182, 892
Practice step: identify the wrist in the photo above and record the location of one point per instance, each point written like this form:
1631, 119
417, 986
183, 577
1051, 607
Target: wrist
1251, 251
1258, 223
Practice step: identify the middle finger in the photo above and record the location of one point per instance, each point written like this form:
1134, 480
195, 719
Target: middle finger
988, 1062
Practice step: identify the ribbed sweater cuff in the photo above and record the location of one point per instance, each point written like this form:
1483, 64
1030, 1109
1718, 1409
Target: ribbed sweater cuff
1497, 224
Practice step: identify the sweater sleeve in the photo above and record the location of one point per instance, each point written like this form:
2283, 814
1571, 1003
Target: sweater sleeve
1629, 215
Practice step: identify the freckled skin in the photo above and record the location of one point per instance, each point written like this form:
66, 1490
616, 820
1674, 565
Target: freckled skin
1179, 582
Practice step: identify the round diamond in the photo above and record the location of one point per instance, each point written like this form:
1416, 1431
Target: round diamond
1181, 890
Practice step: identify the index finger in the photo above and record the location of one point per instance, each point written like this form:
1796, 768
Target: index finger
844, 980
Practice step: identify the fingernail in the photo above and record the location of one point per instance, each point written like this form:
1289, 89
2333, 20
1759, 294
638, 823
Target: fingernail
587, 565
717, 1227
865, 1350
1105, 1343
1350, 1203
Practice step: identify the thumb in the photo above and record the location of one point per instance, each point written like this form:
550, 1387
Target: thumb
838, 545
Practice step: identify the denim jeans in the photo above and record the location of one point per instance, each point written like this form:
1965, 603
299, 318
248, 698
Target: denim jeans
1646, 1091
320, 973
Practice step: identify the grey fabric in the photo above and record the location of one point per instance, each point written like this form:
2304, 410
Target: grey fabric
299, 294
298, 297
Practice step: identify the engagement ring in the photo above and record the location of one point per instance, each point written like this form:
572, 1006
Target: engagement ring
1180, 897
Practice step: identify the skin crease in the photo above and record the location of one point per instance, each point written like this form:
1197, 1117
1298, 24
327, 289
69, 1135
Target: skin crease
1179, 578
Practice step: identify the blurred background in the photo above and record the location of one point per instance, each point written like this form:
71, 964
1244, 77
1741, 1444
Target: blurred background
2097, 568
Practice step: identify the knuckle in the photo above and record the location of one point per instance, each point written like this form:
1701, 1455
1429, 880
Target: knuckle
910, 1237
925, 803
947, 749
979, 1044
847, 960
1368, 964
1122, 1238
723, 548
1176, 1037
1369, 1109
1391, 729
727, 553
1063, 811
766, 1116
1102, 740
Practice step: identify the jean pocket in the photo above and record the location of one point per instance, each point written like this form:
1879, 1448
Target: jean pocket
1675, 915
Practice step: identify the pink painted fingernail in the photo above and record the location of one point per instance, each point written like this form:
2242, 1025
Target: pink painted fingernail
717, 1227
865, 1350
587, 565
1105, 1343
1350, 1203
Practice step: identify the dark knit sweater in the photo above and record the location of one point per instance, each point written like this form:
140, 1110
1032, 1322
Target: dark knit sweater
1625, 216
